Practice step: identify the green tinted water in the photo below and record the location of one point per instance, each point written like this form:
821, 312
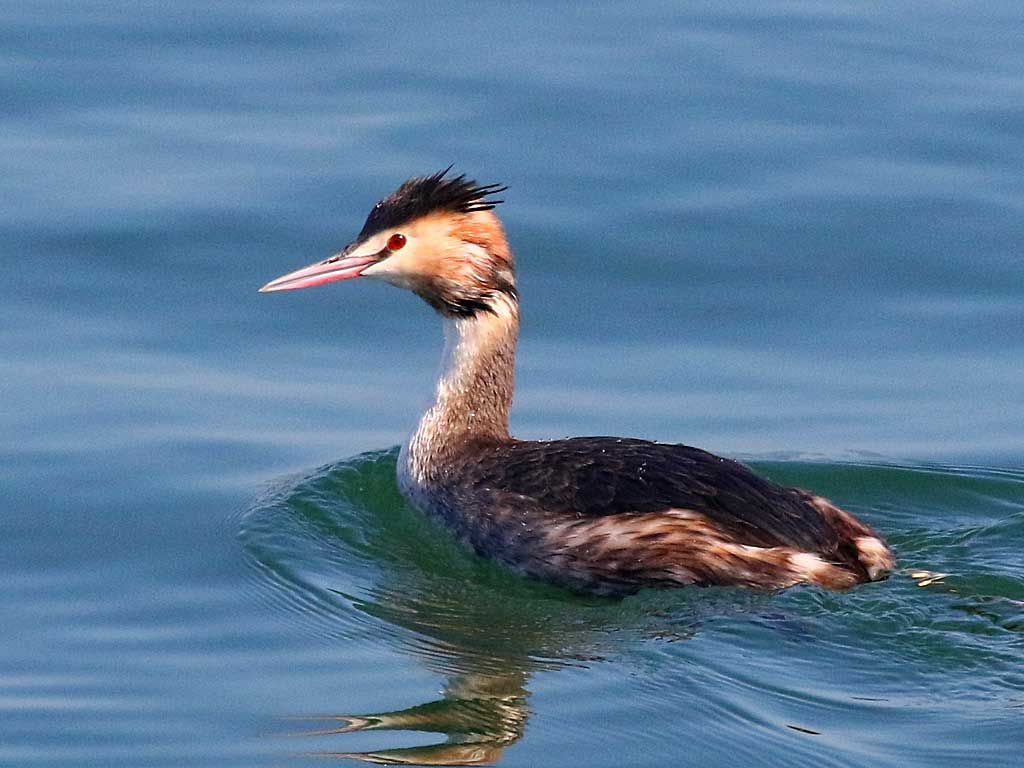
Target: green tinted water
922, 669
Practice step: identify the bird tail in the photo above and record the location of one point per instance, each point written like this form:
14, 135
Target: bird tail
875, 555
866, 553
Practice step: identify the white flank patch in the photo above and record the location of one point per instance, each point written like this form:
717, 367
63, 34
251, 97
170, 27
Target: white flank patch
810, 565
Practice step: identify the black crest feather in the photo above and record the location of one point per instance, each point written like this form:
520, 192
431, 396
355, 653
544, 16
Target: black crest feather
421, 195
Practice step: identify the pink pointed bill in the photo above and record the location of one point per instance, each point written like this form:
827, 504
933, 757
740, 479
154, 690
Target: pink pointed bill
335, 268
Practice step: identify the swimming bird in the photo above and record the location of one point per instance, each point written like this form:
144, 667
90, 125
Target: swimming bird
600, 515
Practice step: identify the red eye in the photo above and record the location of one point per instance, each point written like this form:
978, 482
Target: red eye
396, 242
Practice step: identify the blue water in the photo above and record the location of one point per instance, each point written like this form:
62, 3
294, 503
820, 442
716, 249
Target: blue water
789, 232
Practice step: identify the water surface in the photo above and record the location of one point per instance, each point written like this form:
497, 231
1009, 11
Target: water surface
789, 234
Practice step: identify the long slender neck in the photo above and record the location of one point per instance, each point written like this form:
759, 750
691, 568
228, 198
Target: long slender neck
474, 393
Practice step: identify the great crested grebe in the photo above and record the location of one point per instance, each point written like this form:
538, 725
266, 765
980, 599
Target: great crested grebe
601, 515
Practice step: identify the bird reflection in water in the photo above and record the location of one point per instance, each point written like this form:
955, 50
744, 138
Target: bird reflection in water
485, 649
489, 649
479, 714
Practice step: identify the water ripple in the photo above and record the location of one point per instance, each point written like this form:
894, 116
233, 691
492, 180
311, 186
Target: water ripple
341, 554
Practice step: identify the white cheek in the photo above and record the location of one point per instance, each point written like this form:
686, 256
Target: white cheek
378, 270
391, 270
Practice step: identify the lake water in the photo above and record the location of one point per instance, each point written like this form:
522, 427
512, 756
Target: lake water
789, 232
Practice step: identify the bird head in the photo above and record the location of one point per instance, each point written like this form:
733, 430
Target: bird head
435, 235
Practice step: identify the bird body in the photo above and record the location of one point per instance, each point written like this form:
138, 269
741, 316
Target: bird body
601, 515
